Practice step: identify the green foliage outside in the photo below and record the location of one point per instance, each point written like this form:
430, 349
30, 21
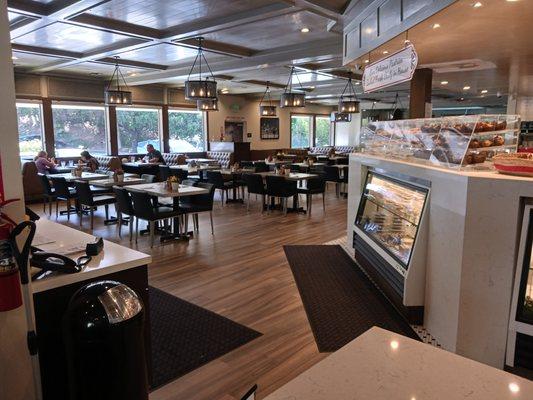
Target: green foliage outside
136, 126
77, 129
322, 131
300, 131
30, 130
186, 131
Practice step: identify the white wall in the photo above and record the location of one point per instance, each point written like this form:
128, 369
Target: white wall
16, 379
347, 133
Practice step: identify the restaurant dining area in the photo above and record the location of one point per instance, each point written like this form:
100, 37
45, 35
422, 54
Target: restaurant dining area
279, 200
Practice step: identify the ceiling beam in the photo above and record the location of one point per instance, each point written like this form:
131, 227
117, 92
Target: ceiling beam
45, 51
115, 26
326, 48
132, 63
218, 47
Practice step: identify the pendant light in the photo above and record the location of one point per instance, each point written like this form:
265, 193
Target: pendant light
114, 94
397, 112
207, 105
342, 117
290, 98
198, 89
348, 102
270, 110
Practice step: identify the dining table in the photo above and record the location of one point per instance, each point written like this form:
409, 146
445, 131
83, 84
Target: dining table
160, 190
110, 182
85, 176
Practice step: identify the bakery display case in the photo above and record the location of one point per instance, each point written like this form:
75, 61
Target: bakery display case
389, 213
464, 142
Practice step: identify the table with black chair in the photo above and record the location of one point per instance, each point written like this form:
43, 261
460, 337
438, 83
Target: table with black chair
49, 194
216, 178
332, 174
124, 209
85, 176
296, 178
255, 185
87, 199
63, 192
198, 204
140, 168
314, 186
160, 190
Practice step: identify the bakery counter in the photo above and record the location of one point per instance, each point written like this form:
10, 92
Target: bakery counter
467, 246
383, 365
52, 293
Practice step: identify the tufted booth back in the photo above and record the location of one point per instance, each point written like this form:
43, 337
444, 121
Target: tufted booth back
344, 149
301, 153
225, 158
320, 150
108, 163
174, 158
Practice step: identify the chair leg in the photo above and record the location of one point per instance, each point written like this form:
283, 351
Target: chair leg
151, 224
131, 227
248, 203
211, 218
310, 205
186, 218
57, 208
81, 214
119, 225
136, 229
50, 207
262, 203
196, 221
106, 211
222, 191
92, 218
284, 202
44, 204
68, 209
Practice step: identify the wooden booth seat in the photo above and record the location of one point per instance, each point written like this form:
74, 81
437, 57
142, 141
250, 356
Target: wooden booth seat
33, 189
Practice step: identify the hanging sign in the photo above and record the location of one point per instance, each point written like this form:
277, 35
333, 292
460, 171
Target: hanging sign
396, 68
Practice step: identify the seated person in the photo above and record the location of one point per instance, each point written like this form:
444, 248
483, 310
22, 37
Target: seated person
91, 162
44, 165
154, 156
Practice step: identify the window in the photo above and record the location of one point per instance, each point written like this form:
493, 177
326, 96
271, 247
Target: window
301, 128
186, 131
30, 126
78, 128
322, 131
136, 128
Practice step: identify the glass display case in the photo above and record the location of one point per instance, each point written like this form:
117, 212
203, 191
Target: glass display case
389, 213
467, 142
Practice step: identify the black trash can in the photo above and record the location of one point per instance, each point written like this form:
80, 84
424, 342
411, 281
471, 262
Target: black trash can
104, 337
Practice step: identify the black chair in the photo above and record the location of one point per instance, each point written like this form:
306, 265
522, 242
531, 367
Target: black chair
88, 199
216, 179
148, 178
255, 185
314, 186
182, 174
123, 206
332, 174
261, 166
278, 186
164, 172
143, 208
64, 193
294, 168
200, 203
49, 194
247, 164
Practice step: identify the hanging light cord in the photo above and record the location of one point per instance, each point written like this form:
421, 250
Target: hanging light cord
267, 93
118, 75
198, 59
397, 102
350, 87
289, 82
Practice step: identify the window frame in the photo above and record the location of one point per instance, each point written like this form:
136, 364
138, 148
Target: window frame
204, 125
312, 134
132, 108
31, 104
82, 105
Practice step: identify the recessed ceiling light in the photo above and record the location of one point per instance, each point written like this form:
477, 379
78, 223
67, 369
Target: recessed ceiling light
407, 41
304, 30
394, 344
477, 4
444, 83
466, 88
513, 387
367, 61
484, 91
357, 83
14, 58
435, 26
385, 52
512, 1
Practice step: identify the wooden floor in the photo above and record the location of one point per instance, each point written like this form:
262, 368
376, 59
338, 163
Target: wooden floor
241, 273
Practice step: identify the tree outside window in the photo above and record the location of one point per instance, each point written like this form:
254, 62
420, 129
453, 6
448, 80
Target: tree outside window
30, 127
137, 127
78, 128
186, 131
322, 131
300, 131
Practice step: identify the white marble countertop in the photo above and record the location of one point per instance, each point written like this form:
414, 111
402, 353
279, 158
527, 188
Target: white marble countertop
113, 258
382, 365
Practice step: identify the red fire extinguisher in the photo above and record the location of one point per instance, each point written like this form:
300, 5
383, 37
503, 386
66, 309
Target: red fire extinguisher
10, 291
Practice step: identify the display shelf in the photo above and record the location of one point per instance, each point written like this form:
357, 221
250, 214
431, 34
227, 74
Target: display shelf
449, 142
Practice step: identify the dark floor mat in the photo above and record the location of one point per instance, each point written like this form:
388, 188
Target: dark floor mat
186, 336
340, 301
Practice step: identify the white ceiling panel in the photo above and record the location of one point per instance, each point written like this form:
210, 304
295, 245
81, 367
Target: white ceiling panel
99, 69
28, 60
63, 36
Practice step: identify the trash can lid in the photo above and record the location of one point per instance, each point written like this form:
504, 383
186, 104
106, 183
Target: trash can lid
120, 303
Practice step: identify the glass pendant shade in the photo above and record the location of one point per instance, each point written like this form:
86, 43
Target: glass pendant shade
348, 105
198, 90
114, 94
267, 111
290, 98
207, 105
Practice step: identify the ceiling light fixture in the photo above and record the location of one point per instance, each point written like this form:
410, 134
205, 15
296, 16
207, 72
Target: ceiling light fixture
514, 388
484, 91
367, 61
477, 4
14, 58
304, 30
289, 98
348, 102
207, 105
466, 88
444, 83
270, 110
115, 94
435, 26
385, 52
198, 89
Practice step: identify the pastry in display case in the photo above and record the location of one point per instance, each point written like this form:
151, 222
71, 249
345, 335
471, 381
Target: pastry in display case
468, 142
389, 213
